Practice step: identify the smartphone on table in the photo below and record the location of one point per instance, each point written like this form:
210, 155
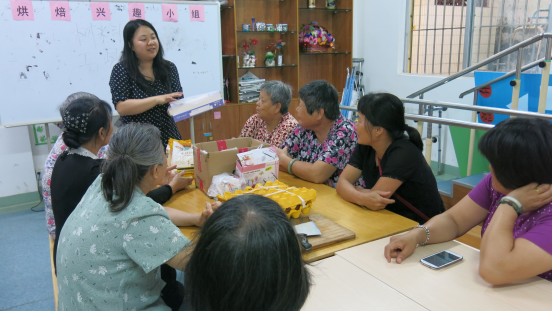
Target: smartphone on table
441, 259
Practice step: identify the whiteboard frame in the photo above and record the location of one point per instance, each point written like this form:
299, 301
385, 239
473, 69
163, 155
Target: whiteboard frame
217, 3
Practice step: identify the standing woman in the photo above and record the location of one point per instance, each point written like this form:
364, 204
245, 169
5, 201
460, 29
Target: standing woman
390, 162
143, 83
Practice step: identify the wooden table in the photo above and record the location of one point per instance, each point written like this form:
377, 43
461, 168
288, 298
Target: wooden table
367, 225
457, 287
339, 285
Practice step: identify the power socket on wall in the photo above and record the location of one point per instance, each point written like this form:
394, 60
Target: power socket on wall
39, 175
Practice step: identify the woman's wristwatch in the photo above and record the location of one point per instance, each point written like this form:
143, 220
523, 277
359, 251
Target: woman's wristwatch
427, 234
514, 203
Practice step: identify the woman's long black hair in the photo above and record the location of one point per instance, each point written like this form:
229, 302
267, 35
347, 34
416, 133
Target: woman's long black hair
162, 68
387, 111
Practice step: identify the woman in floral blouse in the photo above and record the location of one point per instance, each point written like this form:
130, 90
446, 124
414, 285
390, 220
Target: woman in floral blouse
320, 146
273, 123
57, 150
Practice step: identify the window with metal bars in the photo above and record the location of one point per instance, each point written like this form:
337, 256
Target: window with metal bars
439, 43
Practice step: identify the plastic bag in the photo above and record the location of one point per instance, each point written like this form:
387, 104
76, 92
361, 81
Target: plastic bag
225, 182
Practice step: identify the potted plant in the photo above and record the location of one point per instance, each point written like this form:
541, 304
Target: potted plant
315, 38
273, 53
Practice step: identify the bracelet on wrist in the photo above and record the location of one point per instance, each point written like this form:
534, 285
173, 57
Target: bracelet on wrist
427, 234
290, 166
512, 202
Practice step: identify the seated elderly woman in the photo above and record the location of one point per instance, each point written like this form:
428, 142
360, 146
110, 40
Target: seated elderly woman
273, 123
112, 246
514, 202
319, 148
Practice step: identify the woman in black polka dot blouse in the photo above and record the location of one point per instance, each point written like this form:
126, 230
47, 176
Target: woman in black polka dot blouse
143, 83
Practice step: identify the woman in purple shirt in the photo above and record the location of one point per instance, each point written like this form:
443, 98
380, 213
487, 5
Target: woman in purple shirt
514, 202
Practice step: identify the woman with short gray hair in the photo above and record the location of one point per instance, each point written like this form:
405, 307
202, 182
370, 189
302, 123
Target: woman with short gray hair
319, 148
113, 244
273, 123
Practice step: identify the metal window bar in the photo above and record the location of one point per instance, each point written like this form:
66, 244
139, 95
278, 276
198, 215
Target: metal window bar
512, 20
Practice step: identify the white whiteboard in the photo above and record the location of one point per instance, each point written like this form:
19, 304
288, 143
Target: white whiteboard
43, 61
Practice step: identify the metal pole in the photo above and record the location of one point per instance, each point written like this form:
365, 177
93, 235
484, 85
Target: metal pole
490, 29
443, 36
439, 142
460, 35
501, 23
531, 65
451, 36
480, 31
450, 122
419, 36
472, 138
516, 82
426, 39
192, 134
512, 35
421, 112
509, 112
545, 78
429, 137
435, 35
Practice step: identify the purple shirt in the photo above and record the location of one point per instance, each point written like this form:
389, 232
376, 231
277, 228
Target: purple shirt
534, 226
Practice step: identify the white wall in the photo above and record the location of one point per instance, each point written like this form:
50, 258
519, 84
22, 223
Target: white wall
16, 162
379, 38
379, 33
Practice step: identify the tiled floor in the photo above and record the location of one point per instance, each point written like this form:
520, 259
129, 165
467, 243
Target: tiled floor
25, 273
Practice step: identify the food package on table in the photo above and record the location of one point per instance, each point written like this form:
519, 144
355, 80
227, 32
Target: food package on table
293, 201
181, 156
224, 183
184, 143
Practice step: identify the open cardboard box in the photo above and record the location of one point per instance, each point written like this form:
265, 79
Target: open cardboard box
217, 157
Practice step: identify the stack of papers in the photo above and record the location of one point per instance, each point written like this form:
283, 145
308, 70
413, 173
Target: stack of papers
249, 88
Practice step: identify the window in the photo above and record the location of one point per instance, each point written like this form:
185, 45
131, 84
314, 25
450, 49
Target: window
438, 33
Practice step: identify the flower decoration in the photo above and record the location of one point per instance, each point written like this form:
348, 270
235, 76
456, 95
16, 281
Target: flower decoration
247, 47
315, 38
275, 48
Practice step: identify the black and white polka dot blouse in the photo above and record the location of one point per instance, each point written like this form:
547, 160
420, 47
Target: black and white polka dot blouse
123, 88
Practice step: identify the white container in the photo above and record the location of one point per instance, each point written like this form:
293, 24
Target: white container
279, 60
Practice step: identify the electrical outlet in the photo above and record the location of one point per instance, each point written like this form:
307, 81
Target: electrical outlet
39, 175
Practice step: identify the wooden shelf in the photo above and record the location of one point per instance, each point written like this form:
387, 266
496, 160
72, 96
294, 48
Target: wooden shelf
254, 32
299, 68
293, 65
333, 53
327, 10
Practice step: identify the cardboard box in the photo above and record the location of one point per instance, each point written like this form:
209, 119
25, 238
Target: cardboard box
217, 157
258, 166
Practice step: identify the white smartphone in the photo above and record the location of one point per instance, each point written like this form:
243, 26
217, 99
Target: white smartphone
441, 259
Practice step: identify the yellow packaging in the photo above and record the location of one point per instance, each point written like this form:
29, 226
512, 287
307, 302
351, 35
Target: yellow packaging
184, 143
293, 201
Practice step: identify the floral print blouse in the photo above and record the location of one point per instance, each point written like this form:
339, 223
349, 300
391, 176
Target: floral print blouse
111, 261
58, 148
256, 128
335, 150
